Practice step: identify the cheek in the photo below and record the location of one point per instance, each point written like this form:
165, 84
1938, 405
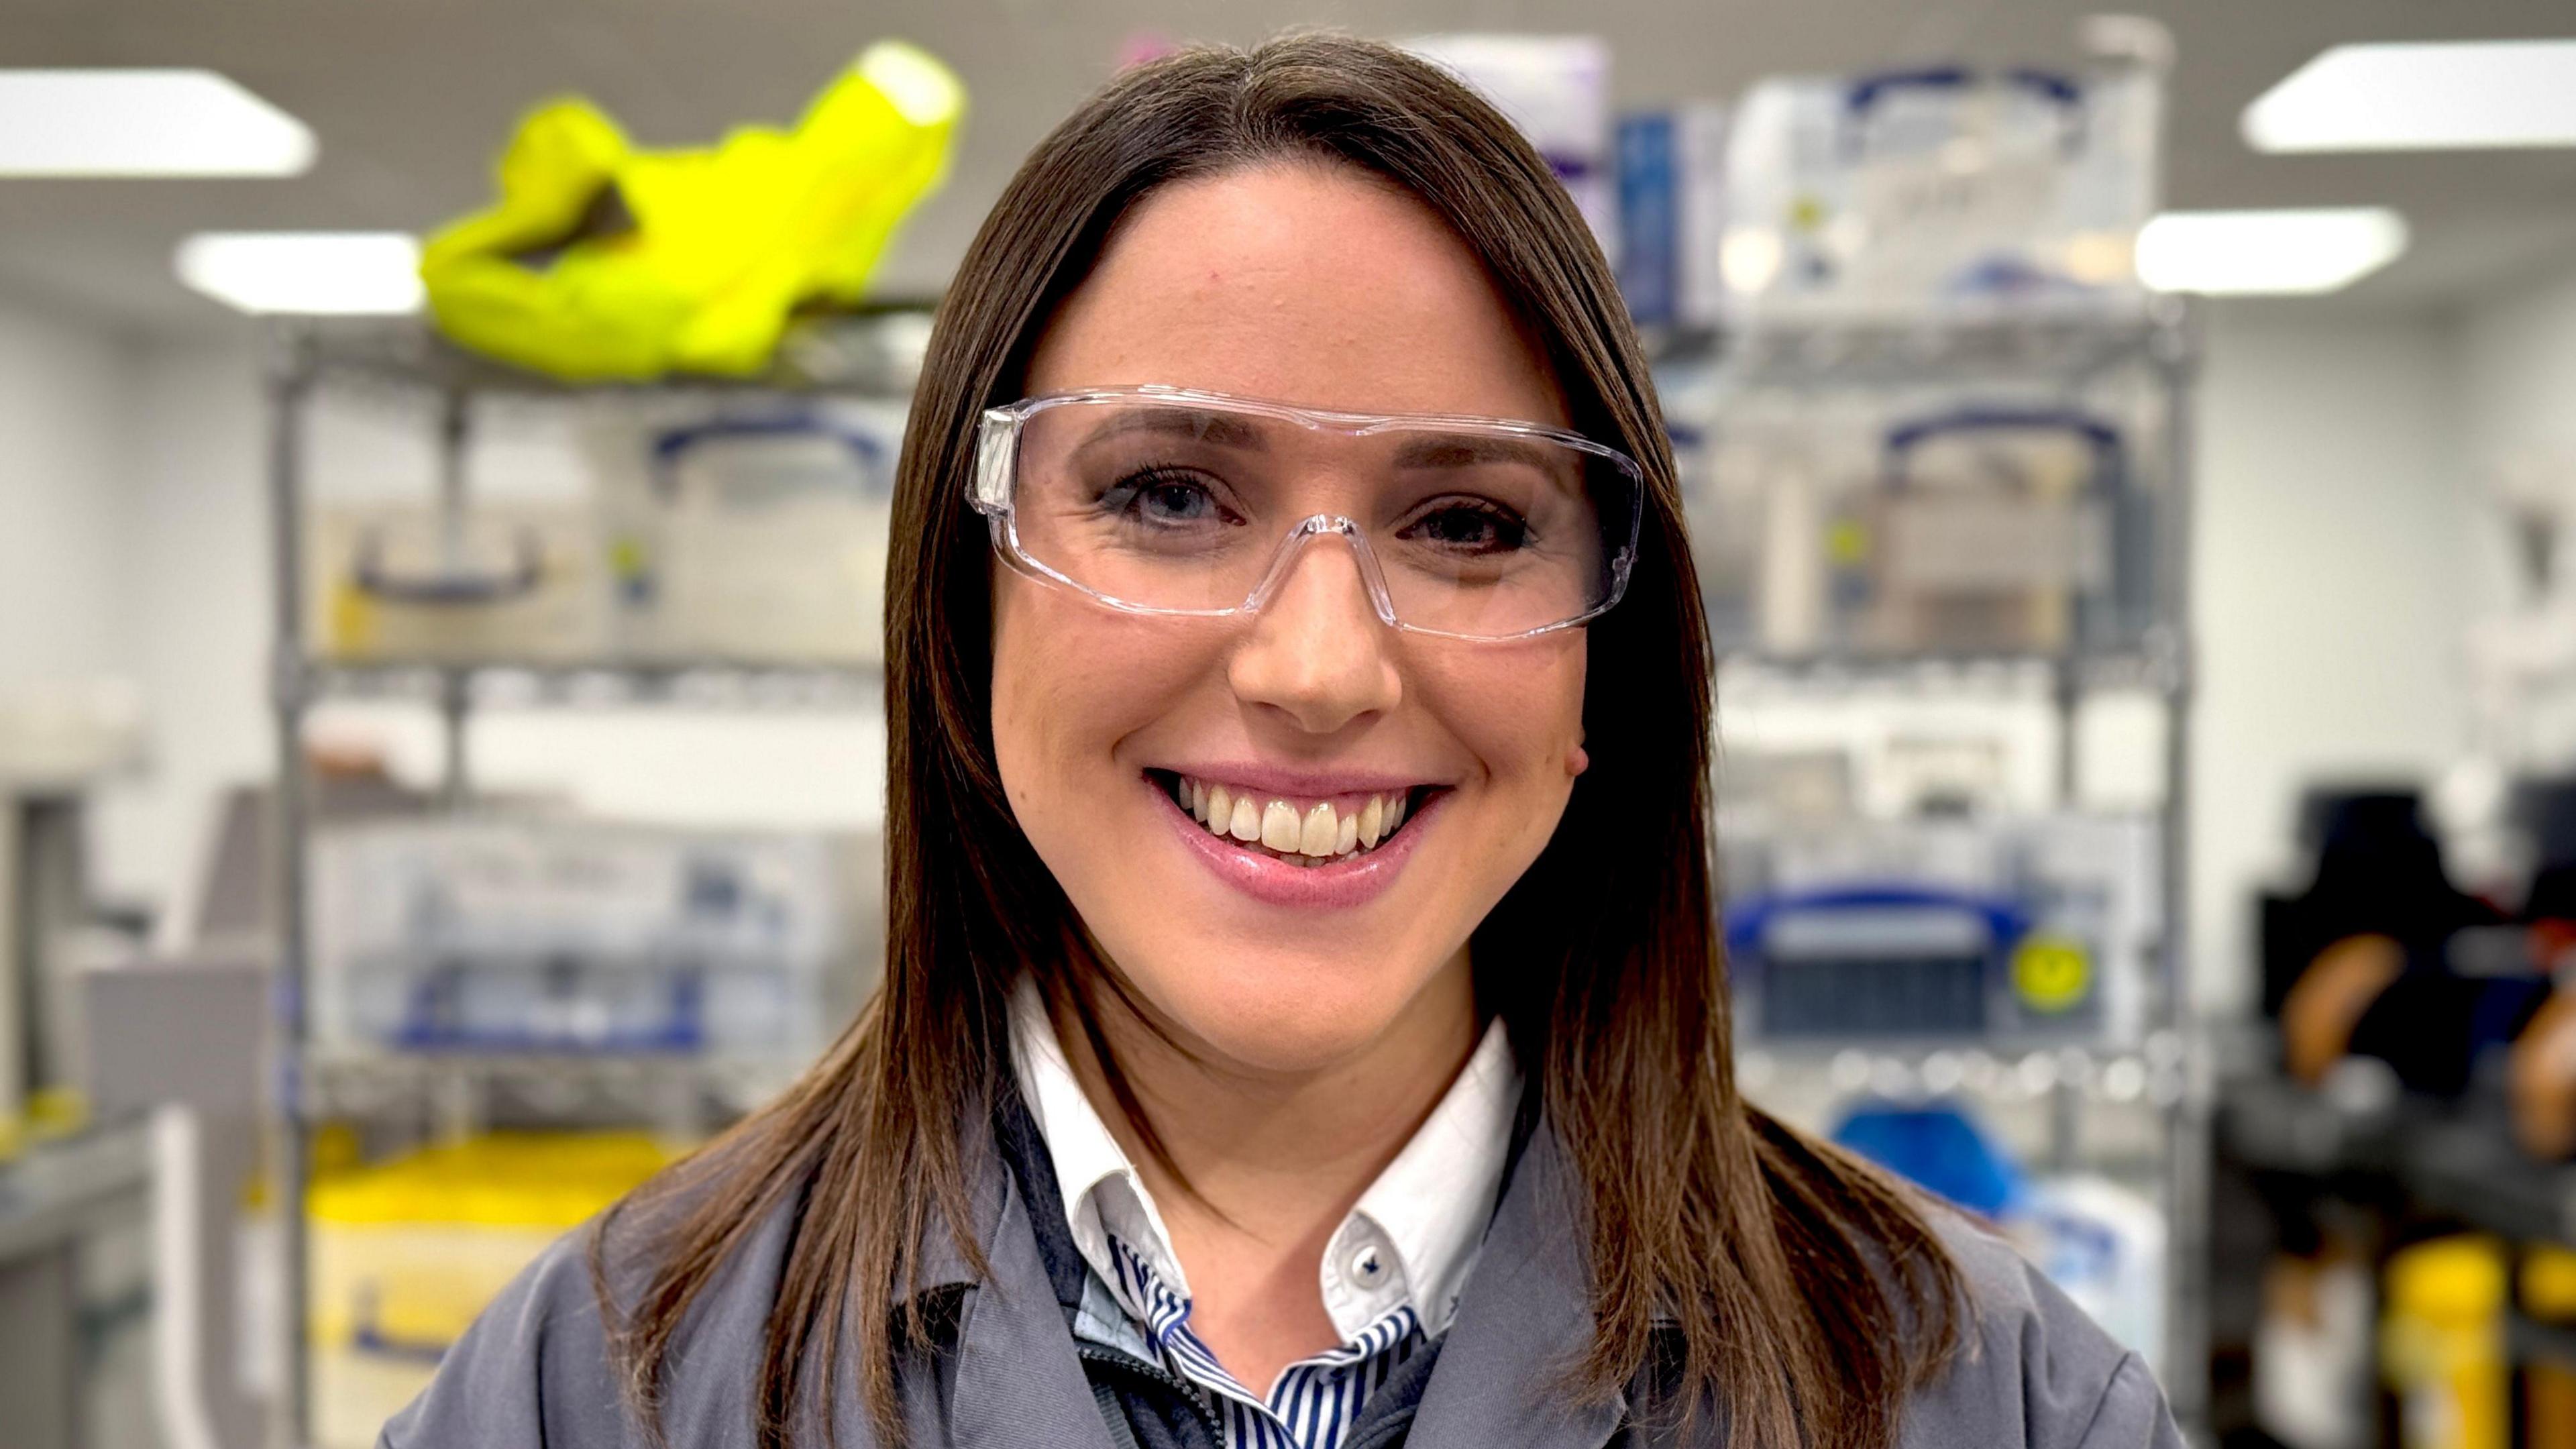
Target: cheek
1069, 682
1039, 708
1519, 712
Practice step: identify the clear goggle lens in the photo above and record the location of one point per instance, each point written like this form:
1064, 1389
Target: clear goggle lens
1164, 501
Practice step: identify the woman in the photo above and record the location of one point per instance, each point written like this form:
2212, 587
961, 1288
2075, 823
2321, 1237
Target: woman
1303, 1022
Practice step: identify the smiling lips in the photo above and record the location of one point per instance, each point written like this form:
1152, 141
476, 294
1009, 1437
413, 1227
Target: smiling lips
1301, 832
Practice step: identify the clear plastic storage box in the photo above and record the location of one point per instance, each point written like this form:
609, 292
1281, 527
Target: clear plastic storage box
402, 582
621, 532
2011, 517
759, 537
2041, 930
1946, 187
555, 935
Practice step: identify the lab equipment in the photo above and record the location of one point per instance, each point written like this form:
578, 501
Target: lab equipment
58, 742
1986, 522
1672, 214
603, 260
416, 581
1901, 192
1937, 1146
1996, 933
551, 934
747, 536
678, 530
2442, 1344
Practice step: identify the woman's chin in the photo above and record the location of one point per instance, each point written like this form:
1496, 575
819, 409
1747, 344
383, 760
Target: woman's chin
1274, 1027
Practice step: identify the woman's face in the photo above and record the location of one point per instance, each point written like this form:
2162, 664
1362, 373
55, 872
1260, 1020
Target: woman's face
1318, 286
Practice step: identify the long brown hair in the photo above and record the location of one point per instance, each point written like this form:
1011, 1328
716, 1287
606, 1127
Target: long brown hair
1747, 1266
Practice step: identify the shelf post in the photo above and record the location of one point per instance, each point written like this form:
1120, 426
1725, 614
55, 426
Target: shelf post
455, 685
291, 369
2187, 1179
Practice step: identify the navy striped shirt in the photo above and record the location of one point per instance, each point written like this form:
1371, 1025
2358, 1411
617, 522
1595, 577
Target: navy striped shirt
1315, 1401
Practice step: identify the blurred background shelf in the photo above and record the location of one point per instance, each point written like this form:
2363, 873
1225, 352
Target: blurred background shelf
455, 1093
873, 350
693, 684
2158, 666
2448, 1160
2002, 342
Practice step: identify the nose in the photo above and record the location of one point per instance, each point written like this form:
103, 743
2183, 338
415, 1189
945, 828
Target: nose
1317, 651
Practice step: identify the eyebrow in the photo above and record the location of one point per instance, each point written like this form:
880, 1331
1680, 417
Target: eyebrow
1464, 450
1198, 425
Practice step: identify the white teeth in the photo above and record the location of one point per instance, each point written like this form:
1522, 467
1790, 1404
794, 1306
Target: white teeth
1320, 831
1279, 828
1318, 835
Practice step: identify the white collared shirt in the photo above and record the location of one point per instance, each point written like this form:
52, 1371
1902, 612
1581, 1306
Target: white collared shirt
1397, 1263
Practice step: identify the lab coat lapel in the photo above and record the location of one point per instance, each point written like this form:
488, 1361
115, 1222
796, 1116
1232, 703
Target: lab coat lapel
1525, 1316
1019, 1384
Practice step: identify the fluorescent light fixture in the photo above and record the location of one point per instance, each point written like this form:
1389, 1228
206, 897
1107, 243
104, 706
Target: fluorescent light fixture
311, 273
2448, 95
144, 123
2280, 252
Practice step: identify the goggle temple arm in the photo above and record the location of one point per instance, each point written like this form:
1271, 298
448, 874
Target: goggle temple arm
997, 447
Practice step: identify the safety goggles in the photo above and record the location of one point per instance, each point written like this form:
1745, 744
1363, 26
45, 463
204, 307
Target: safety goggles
1164, 500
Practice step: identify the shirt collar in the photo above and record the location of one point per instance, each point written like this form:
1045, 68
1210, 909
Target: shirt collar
1103, 1193
1434, 1201
1429, 1207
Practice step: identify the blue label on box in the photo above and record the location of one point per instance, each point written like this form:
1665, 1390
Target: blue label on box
1649, 217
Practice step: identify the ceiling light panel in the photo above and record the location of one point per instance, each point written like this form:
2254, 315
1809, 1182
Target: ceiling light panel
2280, 253
2449, 95
144, 123
308, 273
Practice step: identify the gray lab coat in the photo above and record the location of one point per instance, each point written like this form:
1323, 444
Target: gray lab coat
533, 1370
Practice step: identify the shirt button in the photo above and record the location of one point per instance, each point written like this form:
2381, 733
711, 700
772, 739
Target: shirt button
1368, 1265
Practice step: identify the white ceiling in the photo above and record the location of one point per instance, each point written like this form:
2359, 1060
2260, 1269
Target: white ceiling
411, 97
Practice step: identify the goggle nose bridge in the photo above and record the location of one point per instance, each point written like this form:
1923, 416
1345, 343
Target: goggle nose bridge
1292, 547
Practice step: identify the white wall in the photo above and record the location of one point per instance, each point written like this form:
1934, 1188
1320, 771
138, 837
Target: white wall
192, 567
2517, 351
2332, 546
2518, 370
65, 404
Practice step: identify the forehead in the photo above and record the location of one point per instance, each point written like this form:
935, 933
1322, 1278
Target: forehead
1313, 284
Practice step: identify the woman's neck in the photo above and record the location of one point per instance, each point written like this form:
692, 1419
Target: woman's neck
1273, 1161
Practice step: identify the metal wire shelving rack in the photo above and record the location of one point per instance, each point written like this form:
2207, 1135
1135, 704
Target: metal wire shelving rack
314, 1082
2165, 1071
